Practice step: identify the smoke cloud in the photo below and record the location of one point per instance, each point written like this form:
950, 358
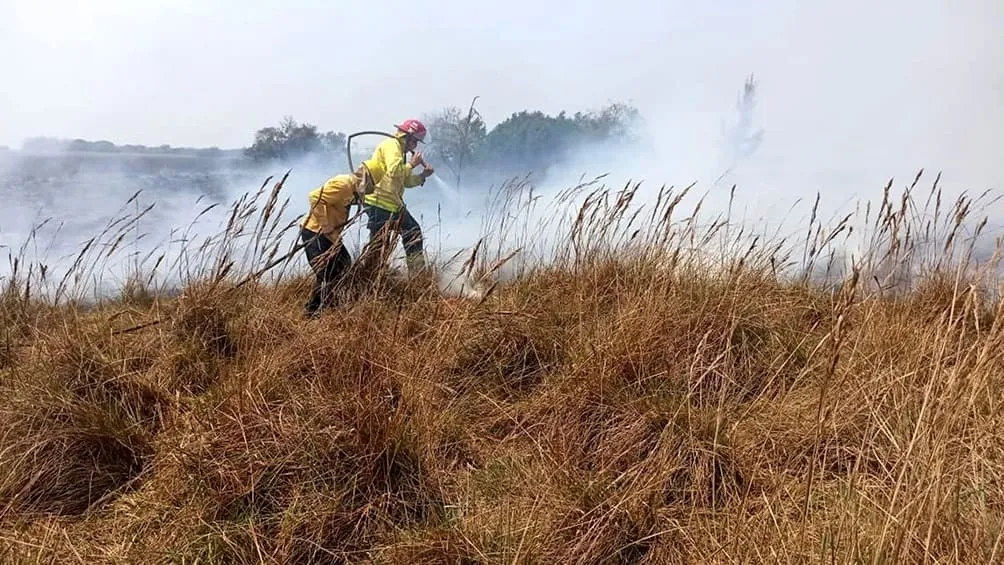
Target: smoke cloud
849, 95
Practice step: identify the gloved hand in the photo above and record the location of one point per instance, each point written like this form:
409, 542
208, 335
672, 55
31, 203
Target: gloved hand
417, 159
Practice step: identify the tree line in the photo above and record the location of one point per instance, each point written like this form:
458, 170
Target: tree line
462, 147
460, 142
55, 145
526, 141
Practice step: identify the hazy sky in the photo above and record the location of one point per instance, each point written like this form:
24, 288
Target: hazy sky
210, 73
881, 88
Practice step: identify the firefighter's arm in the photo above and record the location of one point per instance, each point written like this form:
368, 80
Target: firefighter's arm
316, 213
412, 180
322, 210
328, 200
403, 172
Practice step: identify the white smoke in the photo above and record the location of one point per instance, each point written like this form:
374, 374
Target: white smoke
849, 95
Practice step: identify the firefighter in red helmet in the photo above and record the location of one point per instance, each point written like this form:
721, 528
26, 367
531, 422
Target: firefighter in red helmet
386, 212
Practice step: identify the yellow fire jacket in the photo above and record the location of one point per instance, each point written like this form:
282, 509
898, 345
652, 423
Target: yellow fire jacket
391, 175
329, 206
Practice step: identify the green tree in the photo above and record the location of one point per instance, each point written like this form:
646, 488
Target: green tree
333, 142
291, 140
533, 141
615, 122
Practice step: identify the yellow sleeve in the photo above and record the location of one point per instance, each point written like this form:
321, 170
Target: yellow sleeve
338, 201
318, 212
395, 167
412, 180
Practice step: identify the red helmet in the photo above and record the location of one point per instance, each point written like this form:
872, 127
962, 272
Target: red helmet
413, 128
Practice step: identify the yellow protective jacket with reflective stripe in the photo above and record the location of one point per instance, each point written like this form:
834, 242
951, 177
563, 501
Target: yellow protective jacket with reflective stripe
329, 206
391, 175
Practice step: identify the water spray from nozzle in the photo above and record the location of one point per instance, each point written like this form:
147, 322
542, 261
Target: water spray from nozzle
448, 189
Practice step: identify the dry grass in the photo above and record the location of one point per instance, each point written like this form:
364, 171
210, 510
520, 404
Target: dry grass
637, 399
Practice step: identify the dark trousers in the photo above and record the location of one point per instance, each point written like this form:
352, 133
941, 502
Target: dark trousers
383, 225
329, 271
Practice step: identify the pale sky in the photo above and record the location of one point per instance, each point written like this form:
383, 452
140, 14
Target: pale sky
864, 80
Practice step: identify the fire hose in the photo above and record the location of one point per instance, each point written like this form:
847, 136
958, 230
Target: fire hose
298, 247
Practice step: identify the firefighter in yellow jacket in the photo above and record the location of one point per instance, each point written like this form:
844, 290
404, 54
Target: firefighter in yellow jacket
386, 212
321, 232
